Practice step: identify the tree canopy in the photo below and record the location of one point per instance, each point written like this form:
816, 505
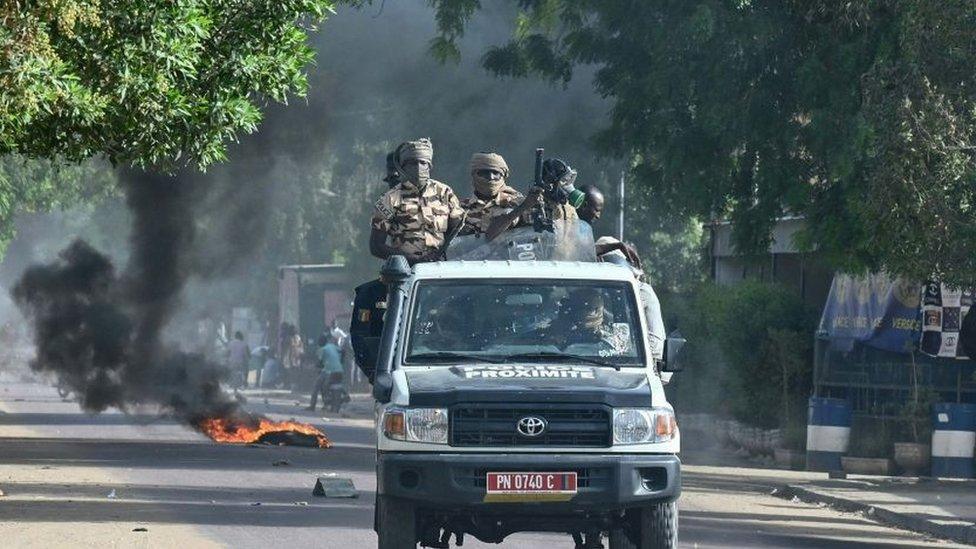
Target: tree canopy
857, 114
154, 83
151, 83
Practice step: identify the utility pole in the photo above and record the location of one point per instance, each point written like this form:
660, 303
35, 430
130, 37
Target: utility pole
621, 192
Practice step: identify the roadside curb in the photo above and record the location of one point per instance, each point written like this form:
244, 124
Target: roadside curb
952, 532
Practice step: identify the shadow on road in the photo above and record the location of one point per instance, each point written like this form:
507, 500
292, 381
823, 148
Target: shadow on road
78, 418
289, 514
718, 529
176, 455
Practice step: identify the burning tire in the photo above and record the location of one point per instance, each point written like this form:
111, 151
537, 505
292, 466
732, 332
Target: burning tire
396, 523
653, 527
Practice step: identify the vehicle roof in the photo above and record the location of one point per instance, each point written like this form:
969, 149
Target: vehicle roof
522, 269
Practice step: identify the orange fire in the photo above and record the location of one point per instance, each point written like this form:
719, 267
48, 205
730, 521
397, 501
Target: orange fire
249, 430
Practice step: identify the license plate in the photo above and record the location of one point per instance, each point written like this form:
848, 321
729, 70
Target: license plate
531, 483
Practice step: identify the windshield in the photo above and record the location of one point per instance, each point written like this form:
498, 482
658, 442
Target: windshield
568, 241
524, 321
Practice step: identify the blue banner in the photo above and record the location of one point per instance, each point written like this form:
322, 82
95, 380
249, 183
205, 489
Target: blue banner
874, 310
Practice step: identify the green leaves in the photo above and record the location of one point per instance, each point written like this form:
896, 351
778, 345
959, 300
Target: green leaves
857, 114
154, 83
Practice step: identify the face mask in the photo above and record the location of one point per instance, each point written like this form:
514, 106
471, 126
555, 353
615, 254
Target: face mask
487, 187
417, 173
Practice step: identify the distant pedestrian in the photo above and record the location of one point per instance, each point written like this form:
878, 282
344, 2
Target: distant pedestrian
238, 356
271, 371
338, 334
331, 363
256, 362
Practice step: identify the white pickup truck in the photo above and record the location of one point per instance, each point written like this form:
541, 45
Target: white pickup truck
521, 396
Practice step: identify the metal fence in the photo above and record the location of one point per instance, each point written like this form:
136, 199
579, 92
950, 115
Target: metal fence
878, 383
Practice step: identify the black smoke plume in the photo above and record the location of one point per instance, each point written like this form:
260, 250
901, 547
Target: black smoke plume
100, 331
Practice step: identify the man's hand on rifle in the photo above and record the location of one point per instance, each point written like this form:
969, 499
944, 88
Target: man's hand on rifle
501, 223
533, 197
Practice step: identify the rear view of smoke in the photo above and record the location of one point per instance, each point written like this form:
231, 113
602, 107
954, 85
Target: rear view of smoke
99, 331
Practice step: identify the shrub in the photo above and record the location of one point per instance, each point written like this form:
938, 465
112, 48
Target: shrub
749, 353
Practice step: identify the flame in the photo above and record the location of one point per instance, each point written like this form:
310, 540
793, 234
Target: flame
251, 429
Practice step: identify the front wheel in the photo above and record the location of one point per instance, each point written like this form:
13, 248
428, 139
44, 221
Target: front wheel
652, 527
396, 524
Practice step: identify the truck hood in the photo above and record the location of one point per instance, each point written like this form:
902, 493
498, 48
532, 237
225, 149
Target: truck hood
537, 383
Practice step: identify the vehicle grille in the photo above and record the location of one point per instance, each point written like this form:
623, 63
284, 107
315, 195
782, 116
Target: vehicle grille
567, 425
586, 477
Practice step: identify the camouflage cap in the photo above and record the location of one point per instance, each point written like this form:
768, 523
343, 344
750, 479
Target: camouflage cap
421, 149
489, 161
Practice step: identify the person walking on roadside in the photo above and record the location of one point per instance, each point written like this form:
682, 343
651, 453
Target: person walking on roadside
238, 356
270, 371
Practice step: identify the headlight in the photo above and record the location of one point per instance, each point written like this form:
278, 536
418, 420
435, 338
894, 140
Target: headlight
643, 425
416, 424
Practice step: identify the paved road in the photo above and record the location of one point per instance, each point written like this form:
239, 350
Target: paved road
76, 480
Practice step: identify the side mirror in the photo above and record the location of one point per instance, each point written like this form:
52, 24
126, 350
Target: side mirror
672, 352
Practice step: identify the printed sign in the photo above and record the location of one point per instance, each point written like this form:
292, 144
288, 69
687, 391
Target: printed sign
521, 487
552, 483
943, 310
875, 310
506, 371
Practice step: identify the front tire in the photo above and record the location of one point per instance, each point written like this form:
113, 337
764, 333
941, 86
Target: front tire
652, 527
396, 524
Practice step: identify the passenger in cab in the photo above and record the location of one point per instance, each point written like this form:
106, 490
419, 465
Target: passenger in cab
649, 301
581, 318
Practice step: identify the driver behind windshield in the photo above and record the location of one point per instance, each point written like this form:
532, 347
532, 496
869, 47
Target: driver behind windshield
447, 326
580, 318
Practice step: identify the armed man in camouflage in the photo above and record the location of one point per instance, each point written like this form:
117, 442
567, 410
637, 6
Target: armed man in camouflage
416, 215
492, 195
557, 196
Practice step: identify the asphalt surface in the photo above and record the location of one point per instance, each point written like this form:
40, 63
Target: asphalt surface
111, 480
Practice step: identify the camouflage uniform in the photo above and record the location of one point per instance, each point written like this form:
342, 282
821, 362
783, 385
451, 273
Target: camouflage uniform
560, 211
481, 212
416, 220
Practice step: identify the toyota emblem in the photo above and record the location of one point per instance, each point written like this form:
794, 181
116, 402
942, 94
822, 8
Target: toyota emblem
531, 426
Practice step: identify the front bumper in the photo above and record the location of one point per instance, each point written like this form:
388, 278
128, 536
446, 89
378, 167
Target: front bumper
607, 482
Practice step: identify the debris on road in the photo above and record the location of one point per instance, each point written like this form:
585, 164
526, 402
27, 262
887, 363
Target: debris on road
111, 495
301, 503
2, 494
332, 486
256, 504
140, 529
280, 462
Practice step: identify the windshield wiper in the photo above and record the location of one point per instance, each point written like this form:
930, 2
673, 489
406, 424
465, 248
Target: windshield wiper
450, 355
559, 355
